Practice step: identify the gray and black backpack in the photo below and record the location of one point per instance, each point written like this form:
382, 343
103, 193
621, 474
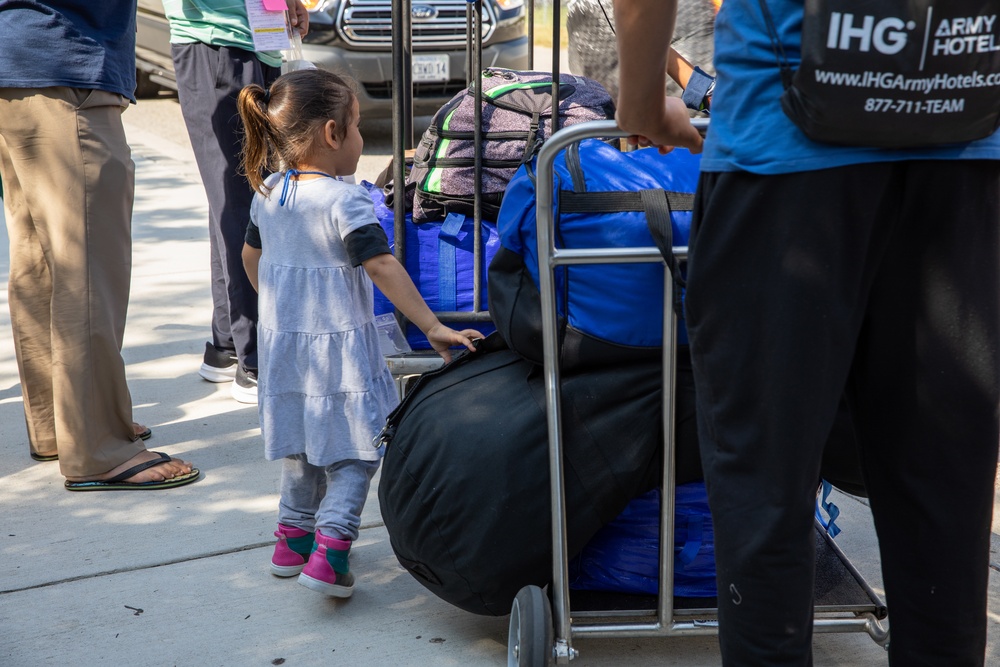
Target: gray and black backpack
516, 118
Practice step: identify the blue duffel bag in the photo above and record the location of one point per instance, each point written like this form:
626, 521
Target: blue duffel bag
624, 556
604, 199
439, 259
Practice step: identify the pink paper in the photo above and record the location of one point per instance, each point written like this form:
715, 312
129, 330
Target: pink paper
275, 5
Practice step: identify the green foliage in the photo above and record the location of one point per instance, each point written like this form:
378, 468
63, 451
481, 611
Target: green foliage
543, 24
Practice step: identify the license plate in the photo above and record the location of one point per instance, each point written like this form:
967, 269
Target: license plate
430, 68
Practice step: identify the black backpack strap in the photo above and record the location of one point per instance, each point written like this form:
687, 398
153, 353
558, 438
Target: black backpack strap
779, 50
531, 141
656, 204
620, 201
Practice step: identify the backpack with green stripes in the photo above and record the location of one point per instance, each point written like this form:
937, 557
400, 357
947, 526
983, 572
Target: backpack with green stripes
516, 118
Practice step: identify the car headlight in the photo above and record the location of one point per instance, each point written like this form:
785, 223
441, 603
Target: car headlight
319, 5
507, 5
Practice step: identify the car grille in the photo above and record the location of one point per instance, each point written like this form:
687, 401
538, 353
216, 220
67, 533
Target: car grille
435, 23
383, 91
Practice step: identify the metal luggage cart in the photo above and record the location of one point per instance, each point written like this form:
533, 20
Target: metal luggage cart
541, 631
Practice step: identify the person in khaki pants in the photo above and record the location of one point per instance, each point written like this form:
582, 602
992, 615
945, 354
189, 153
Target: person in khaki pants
68, 178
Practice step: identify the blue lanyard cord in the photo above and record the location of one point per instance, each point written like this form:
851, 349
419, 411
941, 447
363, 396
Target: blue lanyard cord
288, 177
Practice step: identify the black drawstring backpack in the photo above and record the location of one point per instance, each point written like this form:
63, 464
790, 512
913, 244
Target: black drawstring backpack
894, 73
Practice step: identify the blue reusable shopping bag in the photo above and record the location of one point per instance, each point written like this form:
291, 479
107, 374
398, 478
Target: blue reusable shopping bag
439, 259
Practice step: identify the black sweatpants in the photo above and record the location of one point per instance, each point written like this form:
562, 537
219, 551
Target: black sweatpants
879, 282
209, 80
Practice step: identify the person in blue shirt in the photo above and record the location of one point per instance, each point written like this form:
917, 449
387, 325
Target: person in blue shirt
66, 75
816, 271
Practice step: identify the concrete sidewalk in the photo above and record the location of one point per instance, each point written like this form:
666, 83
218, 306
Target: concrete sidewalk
180, 577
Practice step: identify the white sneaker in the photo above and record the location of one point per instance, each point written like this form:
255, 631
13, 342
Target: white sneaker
218, 365
245, 386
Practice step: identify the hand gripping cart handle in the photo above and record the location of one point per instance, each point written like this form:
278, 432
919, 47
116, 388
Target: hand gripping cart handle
532, 620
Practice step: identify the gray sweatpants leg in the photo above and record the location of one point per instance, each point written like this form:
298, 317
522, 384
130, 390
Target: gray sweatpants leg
329, 498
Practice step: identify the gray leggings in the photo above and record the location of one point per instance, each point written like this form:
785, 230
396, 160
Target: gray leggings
326, 497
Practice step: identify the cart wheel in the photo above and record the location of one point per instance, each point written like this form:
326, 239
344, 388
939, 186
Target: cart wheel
529, 641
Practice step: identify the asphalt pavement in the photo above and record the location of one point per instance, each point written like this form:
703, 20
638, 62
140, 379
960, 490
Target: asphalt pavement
180, 577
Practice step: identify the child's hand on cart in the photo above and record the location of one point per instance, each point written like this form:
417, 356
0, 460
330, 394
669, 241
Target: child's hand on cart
441, 338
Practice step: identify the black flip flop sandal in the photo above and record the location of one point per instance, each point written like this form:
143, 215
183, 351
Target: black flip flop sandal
117, 482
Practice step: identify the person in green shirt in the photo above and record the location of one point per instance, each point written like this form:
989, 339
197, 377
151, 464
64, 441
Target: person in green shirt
214, 58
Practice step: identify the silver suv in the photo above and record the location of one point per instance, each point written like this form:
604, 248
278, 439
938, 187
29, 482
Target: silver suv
355, 37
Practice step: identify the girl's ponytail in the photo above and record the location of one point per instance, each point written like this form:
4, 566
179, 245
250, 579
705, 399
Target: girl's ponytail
252, 105
280, 124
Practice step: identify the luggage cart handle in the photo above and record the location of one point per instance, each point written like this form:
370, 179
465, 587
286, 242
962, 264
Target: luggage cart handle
559, 141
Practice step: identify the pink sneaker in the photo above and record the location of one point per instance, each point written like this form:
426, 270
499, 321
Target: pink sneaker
291, 552
327, 571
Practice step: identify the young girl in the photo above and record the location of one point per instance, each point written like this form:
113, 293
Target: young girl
314, 247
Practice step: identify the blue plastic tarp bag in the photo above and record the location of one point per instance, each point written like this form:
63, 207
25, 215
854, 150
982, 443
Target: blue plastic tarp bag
608, 312
624, 556
439, 259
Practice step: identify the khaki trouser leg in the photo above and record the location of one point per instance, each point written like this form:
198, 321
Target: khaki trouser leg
70, 176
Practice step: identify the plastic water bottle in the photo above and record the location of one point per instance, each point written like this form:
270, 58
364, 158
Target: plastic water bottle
294, 60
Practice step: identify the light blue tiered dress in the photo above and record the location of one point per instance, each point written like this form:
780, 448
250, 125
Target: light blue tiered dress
324, 386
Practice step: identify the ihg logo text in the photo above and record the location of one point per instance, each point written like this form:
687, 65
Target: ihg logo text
887, 36
951, 37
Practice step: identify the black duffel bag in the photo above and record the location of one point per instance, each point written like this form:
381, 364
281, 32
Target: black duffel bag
464, 491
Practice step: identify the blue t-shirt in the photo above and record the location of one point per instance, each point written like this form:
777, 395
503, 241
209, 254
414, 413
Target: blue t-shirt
750, 132
76, 43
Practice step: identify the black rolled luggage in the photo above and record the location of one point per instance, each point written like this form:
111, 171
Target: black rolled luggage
465, 480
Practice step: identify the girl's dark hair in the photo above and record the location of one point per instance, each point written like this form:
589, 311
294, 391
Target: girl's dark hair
280, 124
